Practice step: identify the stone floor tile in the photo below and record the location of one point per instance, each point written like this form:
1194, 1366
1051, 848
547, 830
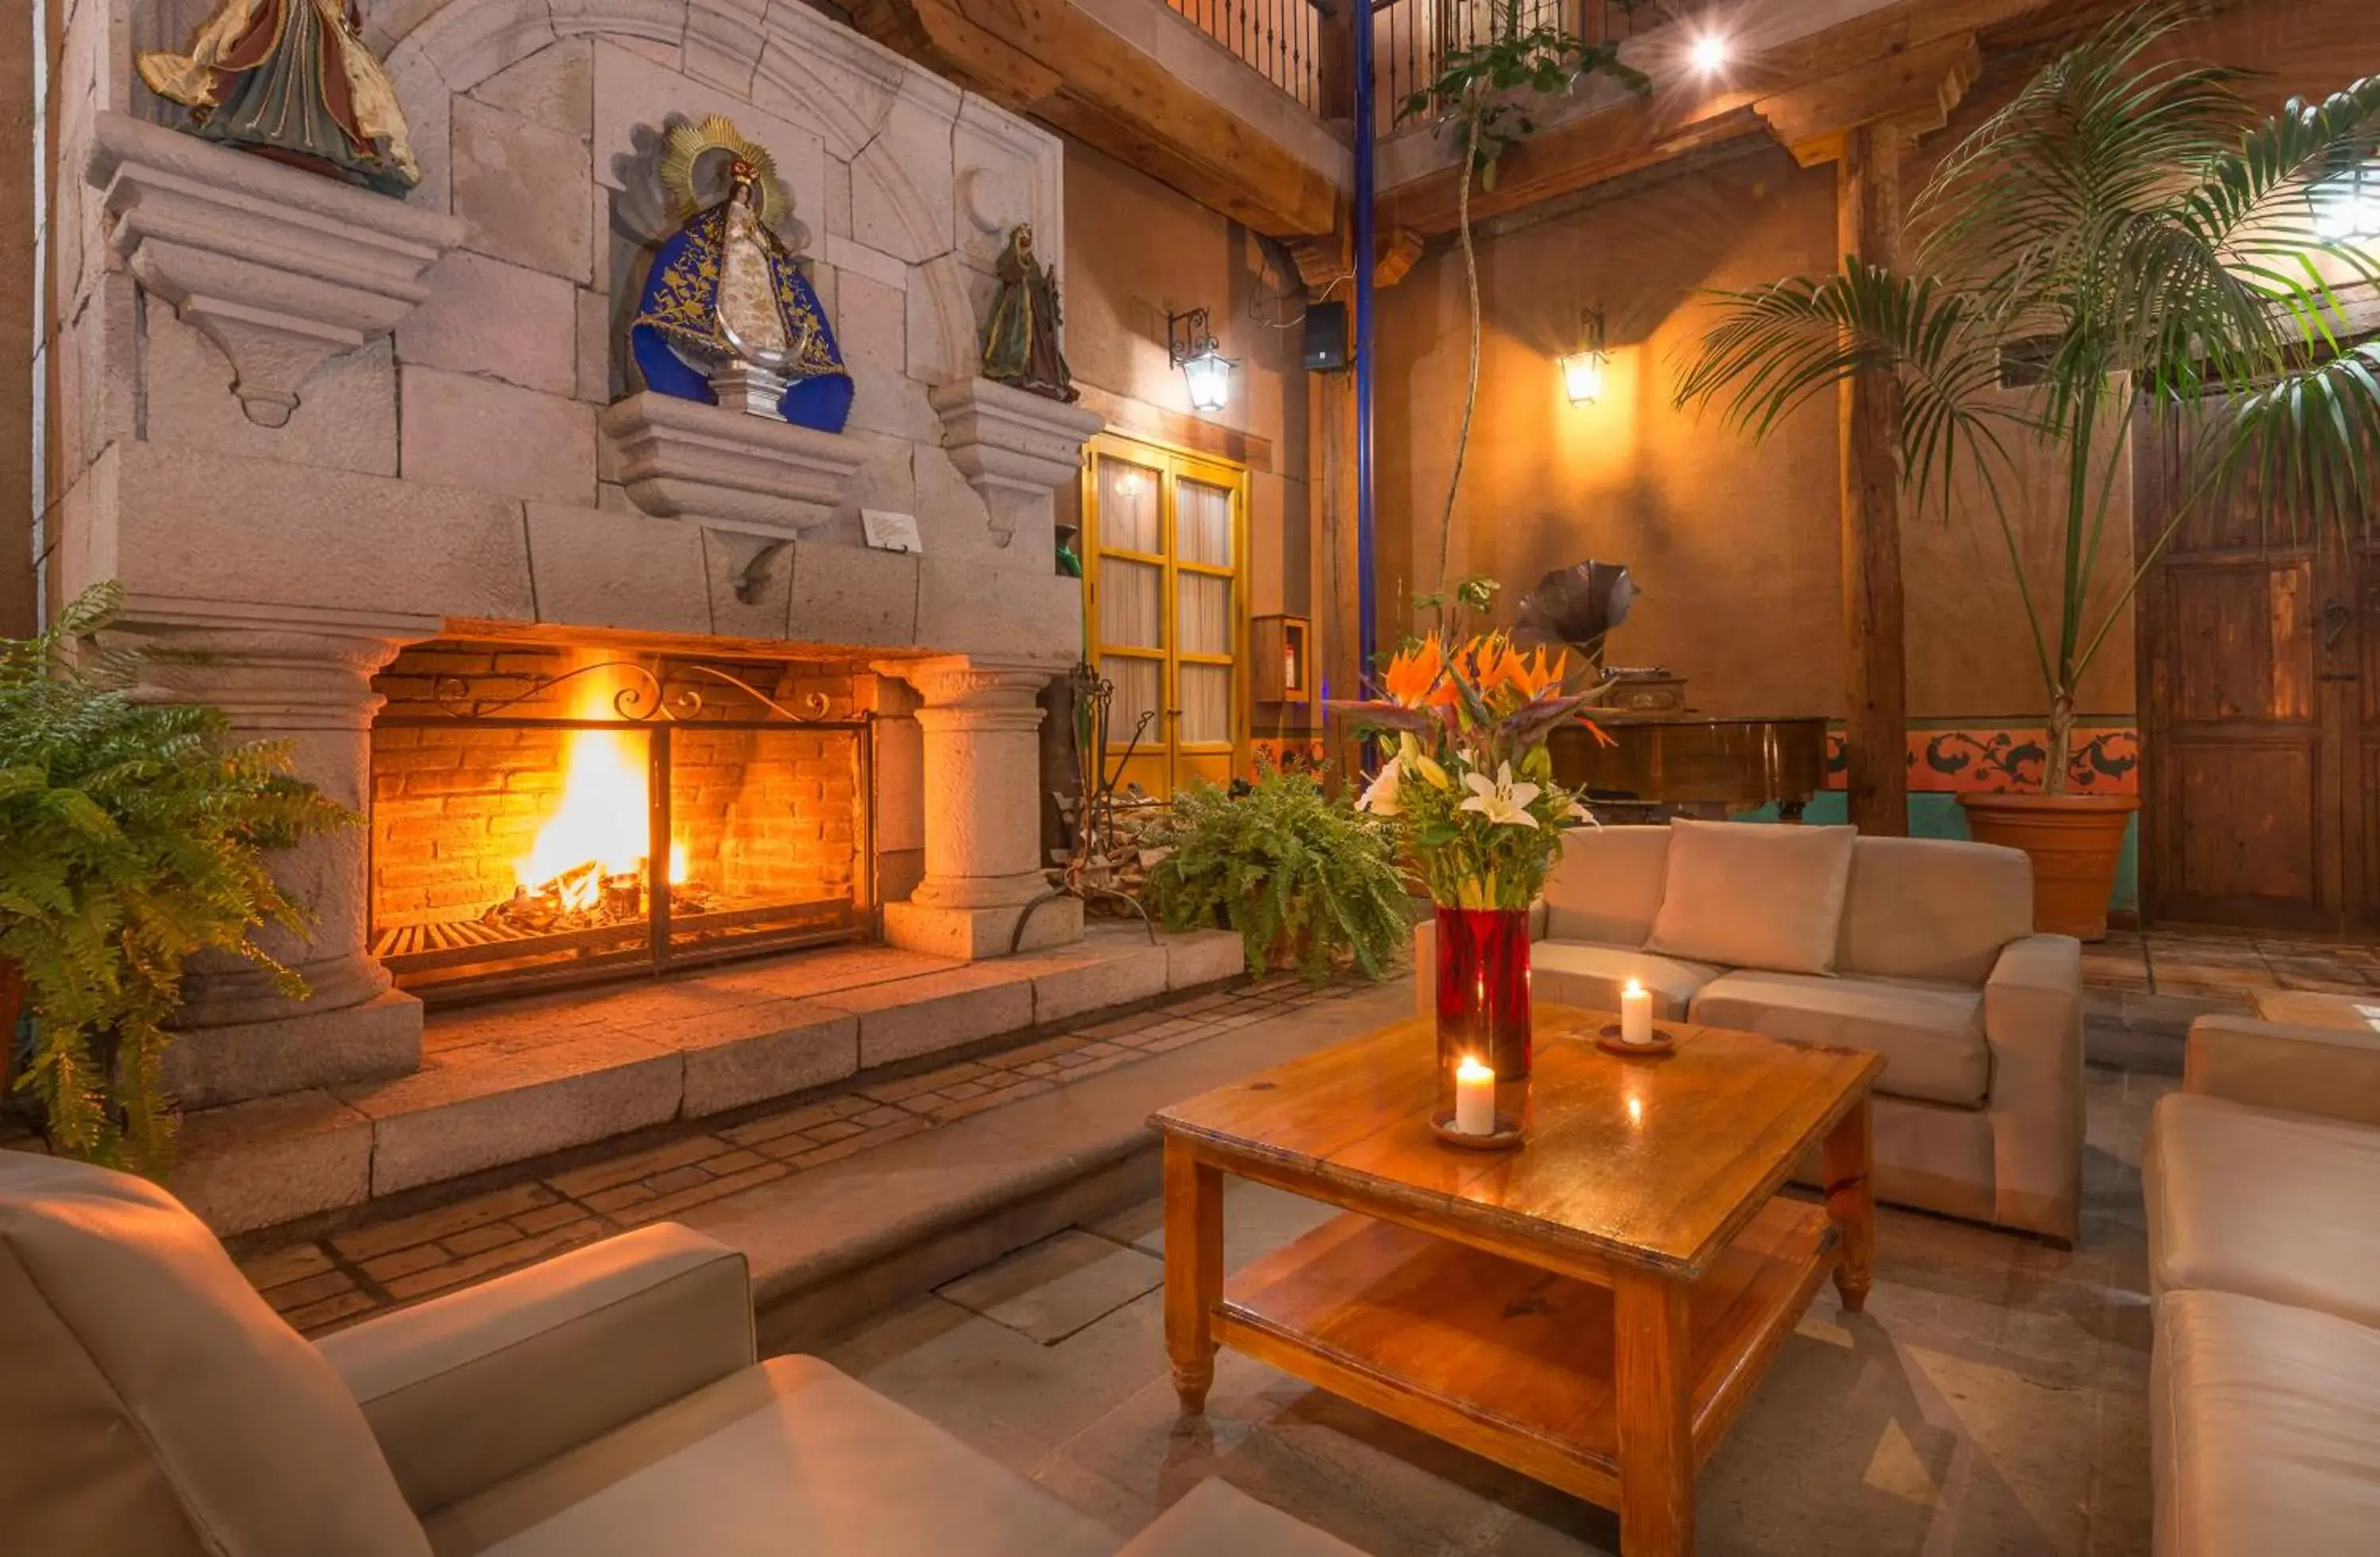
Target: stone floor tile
617, 1198
877, 1117
1053, 1288
931, 1081
543, 1217
959, 1093
996, 1098
478, 1240
832, 1130
421, 1257
670, 1183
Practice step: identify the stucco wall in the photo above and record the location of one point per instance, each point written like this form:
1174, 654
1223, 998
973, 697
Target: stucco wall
1735, 544
1135, 251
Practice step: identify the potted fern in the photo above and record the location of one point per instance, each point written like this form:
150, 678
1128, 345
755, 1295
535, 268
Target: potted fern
1306, 879
2134, 236
132, 834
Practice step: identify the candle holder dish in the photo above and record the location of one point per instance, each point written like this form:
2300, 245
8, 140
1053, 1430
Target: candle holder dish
1664, 1041
1506, 1135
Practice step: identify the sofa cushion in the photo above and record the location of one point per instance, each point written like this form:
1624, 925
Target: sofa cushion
1607, 885
153, 1403
1215, 1519
1579, 973
2264, 1428
1931, 1035
1747, 895
1932, 909
2277, 1206
790, 1456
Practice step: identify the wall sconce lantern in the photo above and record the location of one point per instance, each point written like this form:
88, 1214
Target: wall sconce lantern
1191, 345
1582, 370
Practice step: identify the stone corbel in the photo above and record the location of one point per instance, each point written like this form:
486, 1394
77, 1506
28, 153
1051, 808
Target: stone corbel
729, 471
282, 269
1015, 447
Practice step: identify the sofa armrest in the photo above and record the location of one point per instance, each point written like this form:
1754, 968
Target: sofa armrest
2331, 1072
2033, 1020
466, 1389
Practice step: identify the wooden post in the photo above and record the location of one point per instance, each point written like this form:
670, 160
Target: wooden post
1334, 57
1875, 714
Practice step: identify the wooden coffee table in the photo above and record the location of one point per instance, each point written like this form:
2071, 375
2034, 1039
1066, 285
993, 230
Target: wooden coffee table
1592, 1309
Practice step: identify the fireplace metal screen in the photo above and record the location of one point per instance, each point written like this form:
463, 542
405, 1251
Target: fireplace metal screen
540, 818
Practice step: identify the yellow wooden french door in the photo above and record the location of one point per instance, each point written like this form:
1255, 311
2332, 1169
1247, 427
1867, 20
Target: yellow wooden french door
1165, 577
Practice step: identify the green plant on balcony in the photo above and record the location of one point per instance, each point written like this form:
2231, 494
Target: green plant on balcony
132, 835
1303, 877
1484, 98
2128, 232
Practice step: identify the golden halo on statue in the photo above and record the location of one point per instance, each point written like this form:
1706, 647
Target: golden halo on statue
686, 144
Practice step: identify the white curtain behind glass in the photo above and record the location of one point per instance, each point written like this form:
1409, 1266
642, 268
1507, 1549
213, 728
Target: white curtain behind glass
1202, 523
1128, 507
1205, 703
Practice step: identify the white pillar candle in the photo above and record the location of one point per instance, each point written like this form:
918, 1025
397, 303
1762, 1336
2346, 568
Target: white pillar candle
1474, 1097
1635, 1014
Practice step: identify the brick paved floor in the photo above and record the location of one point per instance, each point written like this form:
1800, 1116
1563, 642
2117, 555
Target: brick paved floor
320, 1284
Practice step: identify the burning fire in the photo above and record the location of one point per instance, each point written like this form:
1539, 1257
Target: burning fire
601, 822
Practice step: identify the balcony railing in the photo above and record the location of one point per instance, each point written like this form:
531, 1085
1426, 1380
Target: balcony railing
1302, 47
1283, 40
1412, 38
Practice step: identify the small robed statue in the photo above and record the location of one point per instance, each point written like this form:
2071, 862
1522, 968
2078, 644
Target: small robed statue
727, 315
1020, 341
291, 79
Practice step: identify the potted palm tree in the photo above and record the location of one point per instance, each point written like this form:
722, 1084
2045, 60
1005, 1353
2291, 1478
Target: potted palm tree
2127, 236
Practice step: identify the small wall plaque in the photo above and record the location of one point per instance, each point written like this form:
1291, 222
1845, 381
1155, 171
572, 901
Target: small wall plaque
889, 532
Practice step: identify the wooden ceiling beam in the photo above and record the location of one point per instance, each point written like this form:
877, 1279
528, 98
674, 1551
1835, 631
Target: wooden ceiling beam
1911, 61
1051, 60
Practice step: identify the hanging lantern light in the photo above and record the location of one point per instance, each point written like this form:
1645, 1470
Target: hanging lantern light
1191, 345
1582, 370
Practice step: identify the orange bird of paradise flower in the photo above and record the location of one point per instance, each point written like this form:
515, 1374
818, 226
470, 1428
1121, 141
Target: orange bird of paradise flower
1418, 678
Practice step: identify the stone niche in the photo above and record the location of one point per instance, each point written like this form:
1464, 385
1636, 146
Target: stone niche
307, 443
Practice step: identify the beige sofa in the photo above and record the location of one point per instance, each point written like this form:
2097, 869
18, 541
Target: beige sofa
2263, 1181
608, 1401
1935, 966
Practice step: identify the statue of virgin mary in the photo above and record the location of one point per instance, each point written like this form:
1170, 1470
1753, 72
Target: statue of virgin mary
727, 303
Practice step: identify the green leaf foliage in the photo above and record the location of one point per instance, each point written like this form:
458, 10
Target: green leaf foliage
2128, 233
1288, 867
132, 834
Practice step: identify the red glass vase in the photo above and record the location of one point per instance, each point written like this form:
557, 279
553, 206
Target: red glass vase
1483, 995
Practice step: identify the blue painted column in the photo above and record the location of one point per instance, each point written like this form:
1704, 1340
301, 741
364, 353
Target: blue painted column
1367, 379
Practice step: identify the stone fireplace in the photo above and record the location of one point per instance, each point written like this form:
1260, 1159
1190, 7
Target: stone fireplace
381, 478
542, 816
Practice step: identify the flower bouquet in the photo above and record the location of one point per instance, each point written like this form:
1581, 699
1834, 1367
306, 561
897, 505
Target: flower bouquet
1469, 786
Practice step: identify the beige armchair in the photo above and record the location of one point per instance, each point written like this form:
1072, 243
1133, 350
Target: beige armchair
2261, 1175
607, 1401
1979, 1109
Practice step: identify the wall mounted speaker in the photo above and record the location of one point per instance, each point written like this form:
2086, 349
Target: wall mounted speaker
1326, 337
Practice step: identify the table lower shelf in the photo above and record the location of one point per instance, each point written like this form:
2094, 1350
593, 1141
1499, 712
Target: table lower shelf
1506, 1361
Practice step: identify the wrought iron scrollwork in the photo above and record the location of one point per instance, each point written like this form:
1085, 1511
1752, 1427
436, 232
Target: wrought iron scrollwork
645, 699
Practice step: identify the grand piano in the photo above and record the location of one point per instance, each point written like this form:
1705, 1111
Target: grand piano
1683, 765
1664, 759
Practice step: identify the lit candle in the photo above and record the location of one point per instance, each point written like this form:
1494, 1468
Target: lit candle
1635, 1014
1474, 1097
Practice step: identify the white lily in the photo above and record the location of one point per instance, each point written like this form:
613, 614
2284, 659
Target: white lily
1410, 753
1500, 799
1380, 796
1581, 815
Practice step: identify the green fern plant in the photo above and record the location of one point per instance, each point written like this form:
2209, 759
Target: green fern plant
132, 834
1286, 866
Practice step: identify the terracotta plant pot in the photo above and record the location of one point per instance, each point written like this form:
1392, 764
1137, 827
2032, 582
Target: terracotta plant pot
2074, 842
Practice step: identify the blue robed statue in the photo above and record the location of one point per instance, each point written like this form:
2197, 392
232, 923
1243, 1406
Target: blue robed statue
727, 307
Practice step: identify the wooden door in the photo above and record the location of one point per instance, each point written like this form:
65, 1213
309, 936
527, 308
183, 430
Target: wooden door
1166, 590
2257, 775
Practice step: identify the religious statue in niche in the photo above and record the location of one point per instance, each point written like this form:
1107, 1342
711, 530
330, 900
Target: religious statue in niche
727, 315
1020, 341
291, 79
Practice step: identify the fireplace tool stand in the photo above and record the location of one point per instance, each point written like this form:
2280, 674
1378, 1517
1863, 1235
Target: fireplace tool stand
1095, 810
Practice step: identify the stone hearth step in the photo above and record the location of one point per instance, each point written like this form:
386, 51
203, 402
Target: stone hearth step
506, 1084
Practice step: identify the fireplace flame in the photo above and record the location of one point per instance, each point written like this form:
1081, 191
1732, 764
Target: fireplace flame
601, 822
